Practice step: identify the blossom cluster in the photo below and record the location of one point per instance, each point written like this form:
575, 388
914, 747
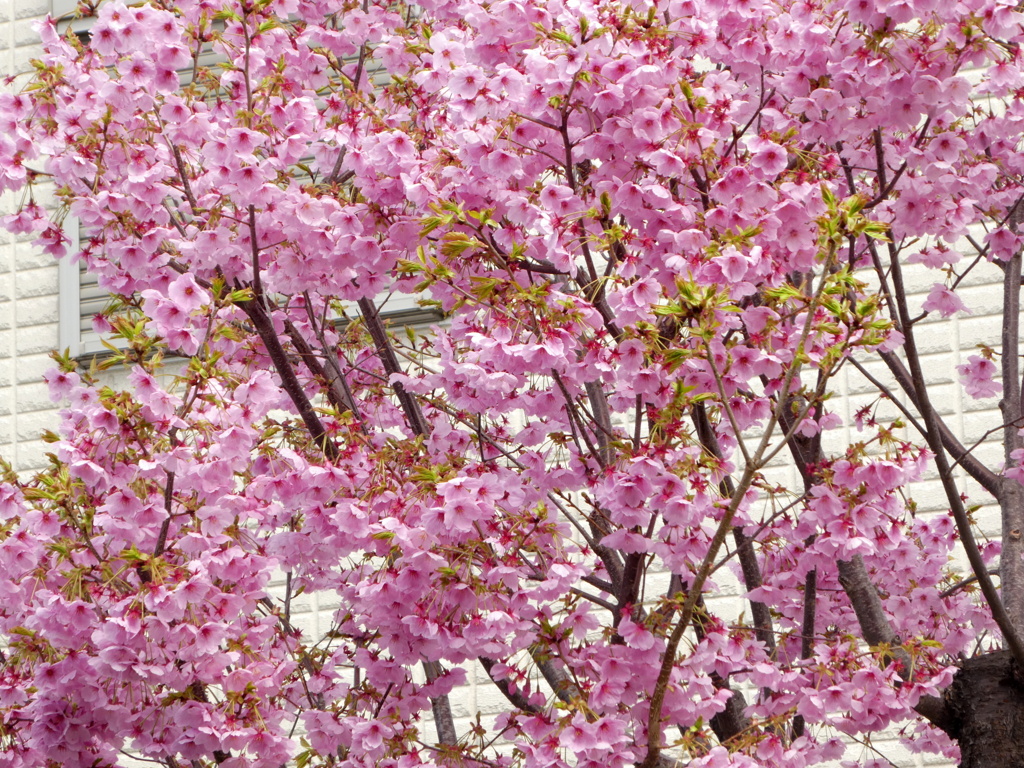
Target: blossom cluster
646, 226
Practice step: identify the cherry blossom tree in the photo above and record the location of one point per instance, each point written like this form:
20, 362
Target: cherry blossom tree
656, 235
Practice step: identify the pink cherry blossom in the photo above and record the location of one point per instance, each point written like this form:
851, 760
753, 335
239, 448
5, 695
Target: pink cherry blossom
944, 301
647, 254
767, 157
977, 377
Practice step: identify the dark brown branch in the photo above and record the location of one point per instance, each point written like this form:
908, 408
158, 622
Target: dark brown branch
867, 605
443, 720
949, 592
161, 539
289, 381
629, 586
885, 188
737, 135
749, 566
257, 279
934, 710
877, 631
336, 387
807, 630
442, 708
565, 689
574, 417
602, 420
731, 721
413, 414
933, 436
984, 476
516, 698
1011, 493
751, 570
614, 609
807, 454
185, 185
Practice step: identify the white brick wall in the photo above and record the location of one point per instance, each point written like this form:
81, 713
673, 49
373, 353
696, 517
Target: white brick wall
28, 286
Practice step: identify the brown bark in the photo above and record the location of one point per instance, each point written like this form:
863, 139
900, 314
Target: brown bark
987, 702
1011, 493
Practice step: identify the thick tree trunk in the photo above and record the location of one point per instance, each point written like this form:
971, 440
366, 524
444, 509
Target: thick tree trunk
986, 700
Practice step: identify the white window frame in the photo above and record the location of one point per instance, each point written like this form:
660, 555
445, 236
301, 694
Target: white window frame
70, 335
64, 12
399, 310
69, 326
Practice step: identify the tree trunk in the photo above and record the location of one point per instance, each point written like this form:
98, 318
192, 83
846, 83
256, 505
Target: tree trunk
986, 700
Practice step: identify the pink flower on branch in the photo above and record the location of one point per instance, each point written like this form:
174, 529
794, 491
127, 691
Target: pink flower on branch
640, 251
944, 301
978, 377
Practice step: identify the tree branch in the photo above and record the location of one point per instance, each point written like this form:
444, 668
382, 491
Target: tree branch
984, 476
261, 321
751, 569
877, 631
1011, 493
933, 436
413, 414
442, 708
514, 697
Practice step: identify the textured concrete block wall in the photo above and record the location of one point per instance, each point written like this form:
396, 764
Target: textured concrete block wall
28, 284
